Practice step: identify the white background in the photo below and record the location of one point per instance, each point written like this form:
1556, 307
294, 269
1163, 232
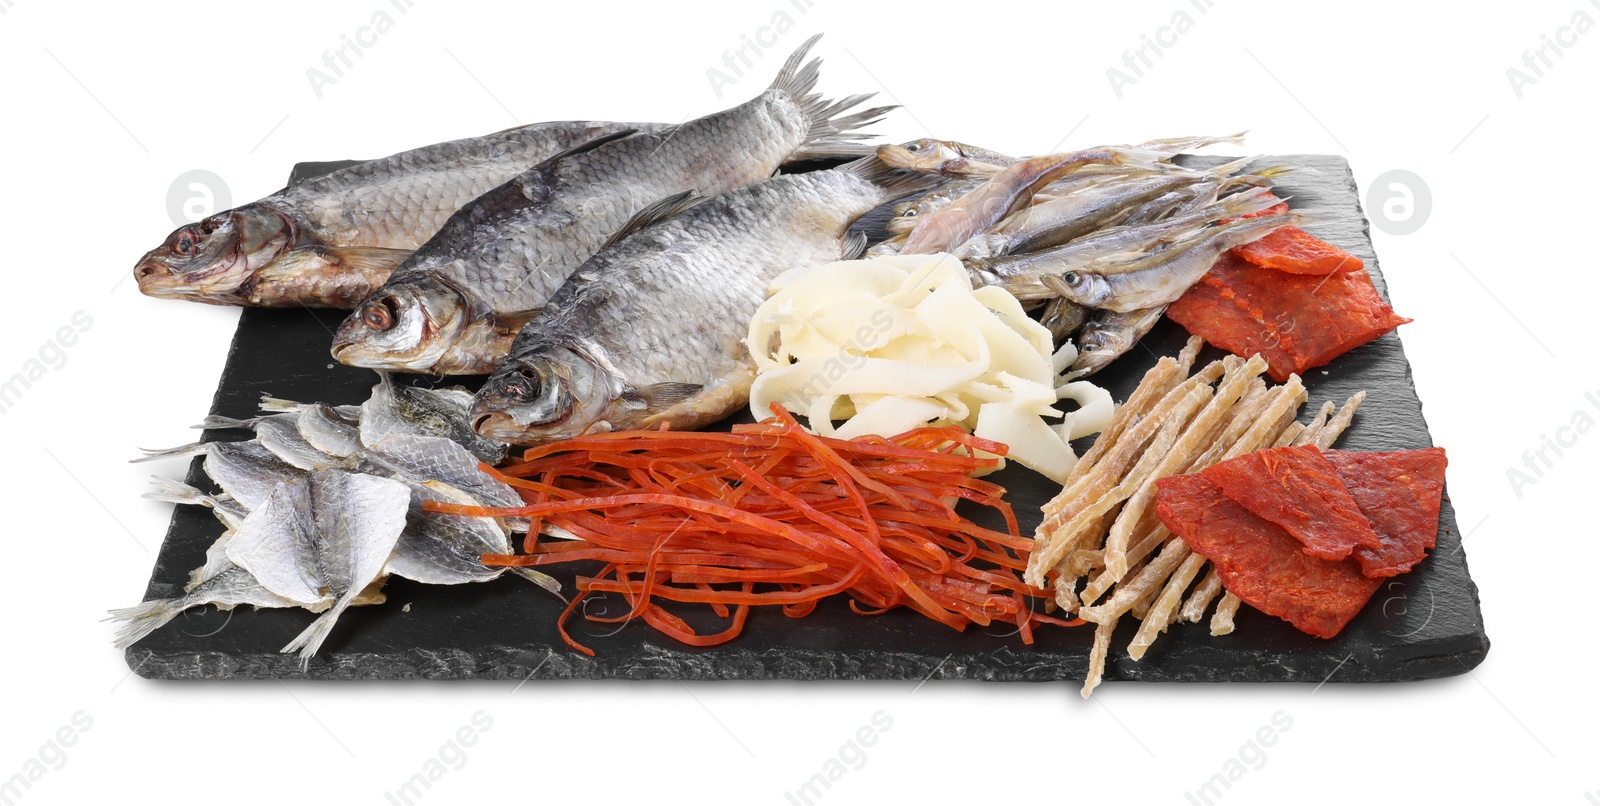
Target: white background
104, 107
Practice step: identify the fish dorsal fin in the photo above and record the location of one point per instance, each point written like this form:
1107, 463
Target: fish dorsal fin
855, 245
538, 179
589, 145
658, 211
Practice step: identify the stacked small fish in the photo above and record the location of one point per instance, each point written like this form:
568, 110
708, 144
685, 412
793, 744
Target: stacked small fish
1105, 239
326, 502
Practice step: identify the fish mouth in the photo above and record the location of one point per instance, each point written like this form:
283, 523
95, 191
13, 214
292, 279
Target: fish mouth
503, 427
210, 260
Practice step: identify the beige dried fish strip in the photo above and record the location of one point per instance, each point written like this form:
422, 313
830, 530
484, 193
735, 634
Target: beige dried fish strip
1153, 575
1048, 552
1097, 656
1307, 432
1154, 386
1245, 414
1289, 435
1196, 437
1194, 608
1275, 416
1160, 380
1102, 582
1330, 433
1222, 620
1160, 613
1111, 466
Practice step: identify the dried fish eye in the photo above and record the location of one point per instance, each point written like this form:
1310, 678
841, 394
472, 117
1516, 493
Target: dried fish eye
1090, 347
911, 213
378, 315
1071, 278
521, 386
185, 244
913, 147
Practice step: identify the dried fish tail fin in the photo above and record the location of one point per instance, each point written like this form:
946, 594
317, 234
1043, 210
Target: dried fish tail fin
134, 623
180, 452
308, 642
176, 492
831, 134
219, 421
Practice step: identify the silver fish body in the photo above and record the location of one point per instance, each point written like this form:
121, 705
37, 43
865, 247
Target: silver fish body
1021, 274
1148, 281
651, 330
454, 306
331, 240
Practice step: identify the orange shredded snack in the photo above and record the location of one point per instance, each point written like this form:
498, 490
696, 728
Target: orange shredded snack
772, 514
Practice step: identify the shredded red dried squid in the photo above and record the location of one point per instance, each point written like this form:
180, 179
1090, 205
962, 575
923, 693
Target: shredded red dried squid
771, 514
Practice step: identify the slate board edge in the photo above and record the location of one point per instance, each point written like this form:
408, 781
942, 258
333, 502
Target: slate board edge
506, 662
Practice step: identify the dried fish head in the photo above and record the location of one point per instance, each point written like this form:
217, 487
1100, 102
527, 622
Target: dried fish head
405, 325
208, 260
1082, 287
554, 394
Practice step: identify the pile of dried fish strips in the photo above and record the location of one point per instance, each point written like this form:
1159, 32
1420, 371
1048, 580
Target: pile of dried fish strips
1101, 548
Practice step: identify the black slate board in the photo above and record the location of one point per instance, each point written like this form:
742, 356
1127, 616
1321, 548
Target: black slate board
1422, 625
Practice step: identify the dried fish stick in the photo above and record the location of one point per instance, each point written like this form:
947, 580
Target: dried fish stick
1245, 414
1235, 381
1153, 575
1330, 433
1194, 608
1160, 613
1142, 607
1286, 399
1055, 545
1288, 436
1191, 351
1116, 462
1154, 386
1097, 656
1222, 620
1309, 430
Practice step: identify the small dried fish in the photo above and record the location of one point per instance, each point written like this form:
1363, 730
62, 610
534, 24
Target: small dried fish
1146, 281
997, 198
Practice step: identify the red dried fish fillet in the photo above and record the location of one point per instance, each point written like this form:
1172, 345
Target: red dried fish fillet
1299, 490
1259, 561
1400, 492
1294, 321
1293, 250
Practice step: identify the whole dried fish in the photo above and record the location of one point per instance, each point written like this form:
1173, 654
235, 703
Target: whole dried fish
331, 240
454, 307
995, 199
1136, 282
651, 330
1021, 273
